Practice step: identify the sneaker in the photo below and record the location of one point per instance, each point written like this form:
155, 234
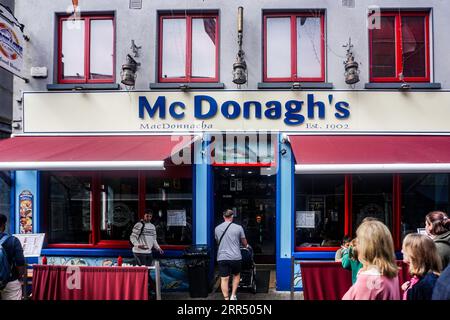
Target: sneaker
233, 297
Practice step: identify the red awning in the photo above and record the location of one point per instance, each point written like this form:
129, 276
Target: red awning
89, 152
352, 154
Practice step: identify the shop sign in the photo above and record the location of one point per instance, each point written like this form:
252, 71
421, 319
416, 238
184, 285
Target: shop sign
337, 111
11, 47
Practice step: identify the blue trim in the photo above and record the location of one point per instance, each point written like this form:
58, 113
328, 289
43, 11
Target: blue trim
105, 253
194, 202
37, 204
12, 195
315, 255
210, 217
201, 203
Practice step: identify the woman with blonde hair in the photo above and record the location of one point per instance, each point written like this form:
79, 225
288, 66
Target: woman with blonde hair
377, 279
421, 254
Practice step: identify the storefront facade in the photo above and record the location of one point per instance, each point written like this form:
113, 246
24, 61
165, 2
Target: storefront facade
299, 155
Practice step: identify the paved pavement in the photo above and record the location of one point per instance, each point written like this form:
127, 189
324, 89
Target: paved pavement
214, 295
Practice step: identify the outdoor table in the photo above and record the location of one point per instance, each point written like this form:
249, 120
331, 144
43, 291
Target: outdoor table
329, 281
52, 282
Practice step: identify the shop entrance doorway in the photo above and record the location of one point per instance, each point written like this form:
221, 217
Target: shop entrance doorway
251, 193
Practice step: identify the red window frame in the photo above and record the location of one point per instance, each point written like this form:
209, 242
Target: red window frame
398, 48
95, 240
188, 67
87, 50
293, 17
348, 214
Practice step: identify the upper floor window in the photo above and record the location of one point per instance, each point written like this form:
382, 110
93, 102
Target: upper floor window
188, 48
86, 50
400, 48
294, 47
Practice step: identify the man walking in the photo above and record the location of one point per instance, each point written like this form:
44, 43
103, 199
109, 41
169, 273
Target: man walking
12, 264
143, 238
229, 237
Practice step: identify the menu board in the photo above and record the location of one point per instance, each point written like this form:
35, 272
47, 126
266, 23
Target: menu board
31, 243
305, 219
176, 218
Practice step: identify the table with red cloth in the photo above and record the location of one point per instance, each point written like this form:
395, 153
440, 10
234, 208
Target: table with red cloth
329, 281
52, 282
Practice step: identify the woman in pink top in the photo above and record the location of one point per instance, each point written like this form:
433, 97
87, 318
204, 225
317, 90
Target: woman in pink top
377, 279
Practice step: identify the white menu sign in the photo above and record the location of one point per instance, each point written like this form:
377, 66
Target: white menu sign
31, 243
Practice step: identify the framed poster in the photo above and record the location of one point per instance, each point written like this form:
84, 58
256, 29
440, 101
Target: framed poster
26, 211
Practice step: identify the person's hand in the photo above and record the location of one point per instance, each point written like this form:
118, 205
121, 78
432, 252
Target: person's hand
405, 285
161, 251
142, 246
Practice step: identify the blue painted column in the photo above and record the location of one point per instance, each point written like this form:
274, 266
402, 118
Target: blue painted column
202, 193
26, 184
203, 200
285, 214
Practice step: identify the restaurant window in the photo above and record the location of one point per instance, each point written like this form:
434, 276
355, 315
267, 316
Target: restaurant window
320, 210
86, 49
119, 205
170, 199
372, 197
399, 49
188, 48
294, 47
68, 208
5, 196
421, 194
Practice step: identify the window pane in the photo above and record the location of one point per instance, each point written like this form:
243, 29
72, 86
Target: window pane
204, 48
413, 46
174, 48
73, 49
383, 49
320, 210
422, 193
372, 197
5, 196
69, 209
119, 207
102, 44
309, 47
171, 202
278, 47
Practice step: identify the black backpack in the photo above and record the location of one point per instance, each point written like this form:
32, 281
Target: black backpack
140, 232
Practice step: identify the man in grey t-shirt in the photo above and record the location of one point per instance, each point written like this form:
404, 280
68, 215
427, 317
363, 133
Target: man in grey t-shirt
229, 253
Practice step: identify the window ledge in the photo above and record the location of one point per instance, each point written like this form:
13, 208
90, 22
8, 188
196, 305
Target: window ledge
187, 86
290, 85
401, 86
83, 86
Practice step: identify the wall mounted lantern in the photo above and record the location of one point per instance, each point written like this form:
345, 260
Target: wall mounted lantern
350, 65
240, 67
128, 73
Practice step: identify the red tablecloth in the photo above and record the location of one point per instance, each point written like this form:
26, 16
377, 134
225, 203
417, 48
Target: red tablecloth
329, 281
90, 283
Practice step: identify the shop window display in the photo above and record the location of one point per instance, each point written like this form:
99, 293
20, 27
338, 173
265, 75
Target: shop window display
422, 193
69, 209
119, 206
320, 210
170, 199
372, 197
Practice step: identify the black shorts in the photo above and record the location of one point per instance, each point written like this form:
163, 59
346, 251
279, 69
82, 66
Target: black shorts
228, 267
